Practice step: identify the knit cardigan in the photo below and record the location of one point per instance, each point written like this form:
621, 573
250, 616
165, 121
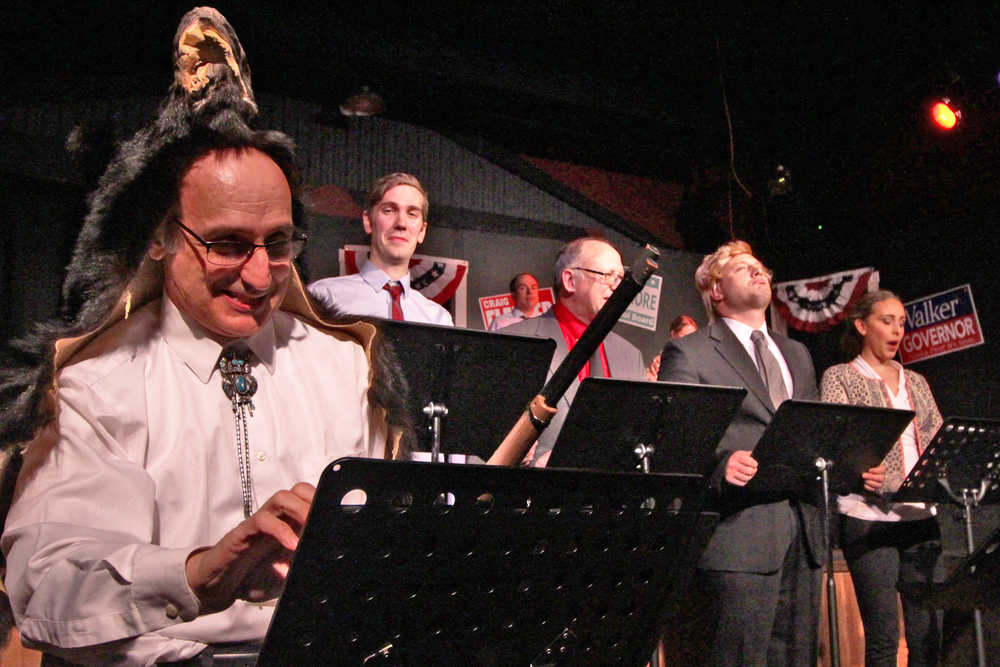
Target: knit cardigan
844, 384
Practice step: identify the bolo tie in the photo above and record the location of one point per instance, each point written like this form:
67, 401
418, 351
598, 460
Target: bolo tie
239, 386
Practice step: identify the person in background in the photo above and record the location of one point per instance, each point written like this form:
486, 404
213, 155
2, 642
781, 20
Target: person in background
887, 543
524, 291
395, 217
681, 326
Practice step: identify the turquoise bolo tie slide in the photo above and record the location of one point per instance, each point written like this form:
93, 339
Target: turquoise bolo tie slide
237, 382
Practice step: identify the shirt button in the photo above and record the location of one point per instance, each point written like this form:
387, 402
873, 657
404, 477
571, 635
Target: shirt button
171, 610
261, 456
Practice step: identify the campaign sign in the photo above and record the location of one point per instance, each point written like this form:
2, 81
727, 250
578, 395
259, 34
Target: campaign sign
645, 306
941, 323
491, 307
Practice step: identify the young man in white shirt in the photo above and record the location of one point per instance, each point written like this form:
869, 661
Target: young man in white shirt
395, 217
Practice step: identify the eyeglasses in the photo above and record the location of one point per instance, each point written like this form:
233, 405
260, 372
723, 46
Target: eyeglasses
609, 278
233, 253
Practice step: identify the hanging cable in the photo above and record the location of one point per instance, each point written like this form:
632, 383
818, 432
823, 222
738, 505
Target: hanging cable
732, 141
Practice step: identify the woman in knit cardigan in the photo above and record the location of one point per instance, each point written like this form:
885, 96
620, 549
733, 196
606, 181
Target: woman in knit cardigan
885, 542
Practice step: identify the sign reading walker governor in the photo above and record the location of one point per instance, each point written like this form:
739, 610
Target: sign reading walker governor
940, 323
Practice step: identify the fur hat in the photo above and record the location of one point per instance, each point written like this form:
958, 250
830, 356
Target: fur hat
211, 95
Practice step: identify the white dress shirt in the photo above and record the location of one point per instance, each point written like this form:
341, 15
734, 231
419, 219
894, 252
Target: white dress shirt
742, 332
362, 293
515, 315
145, 471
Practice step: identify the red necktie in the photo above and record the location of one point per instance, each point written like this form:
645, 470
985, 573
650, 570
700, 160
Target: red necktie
395, 289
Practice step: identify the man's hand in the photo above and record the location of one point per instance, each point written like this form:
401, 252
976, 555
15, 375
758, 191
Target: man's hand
874, 478
250, 562
654, 369
740, 468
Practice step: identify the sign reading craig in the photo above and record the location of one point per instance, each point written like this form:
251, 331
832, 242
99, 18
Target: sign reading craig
941, 323
495, 305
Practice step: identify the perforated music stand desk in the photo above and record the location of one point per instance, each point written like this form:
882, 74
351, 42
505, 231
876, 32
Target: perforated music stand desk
964, 454
609, 418
483, 378
854, 437
526, 566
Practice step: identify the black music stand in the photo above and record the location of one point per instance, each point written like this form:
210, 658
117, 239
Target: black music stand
961, 465
477, 380
854, 438
833, 443
648, 426
485, 565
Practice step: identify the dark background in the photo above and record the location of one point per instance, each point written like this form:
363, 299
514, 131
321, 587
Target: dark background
838, 96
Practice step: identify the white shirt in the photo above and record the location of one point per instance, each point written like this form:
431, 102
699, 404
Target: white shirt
515, 315
362, 293
742, 332
856, 505
145, 471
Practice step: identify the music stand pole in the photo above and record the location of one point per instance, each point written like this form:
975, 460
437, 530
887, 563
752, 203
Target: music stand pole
644, 452
970, 498
436, 411
824, 465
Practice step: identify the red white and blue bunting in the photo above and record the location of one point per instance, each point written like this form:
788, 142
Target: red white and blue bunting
819, 304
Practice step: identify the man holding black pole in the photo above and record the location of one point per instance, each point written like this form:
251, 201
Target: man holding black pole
586, 274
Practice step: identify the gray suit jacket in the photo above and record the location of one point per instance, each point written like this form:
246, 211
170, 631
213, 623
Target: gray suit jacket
754, 532
624, 363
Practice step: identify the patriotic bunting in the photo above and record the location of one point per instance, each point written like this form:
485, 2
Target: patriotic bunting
819, 304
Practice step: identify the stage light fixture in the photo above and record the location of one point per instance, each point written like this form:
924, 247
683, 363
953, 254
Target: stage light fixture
366, 102
945, 115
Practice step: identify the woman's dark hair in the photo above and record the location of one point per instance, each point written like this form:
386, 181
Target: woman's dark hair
851, 342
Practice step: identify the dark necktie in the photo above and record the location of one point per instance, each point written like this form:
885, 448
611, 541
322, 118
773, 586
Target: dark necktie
769, 369
394, 288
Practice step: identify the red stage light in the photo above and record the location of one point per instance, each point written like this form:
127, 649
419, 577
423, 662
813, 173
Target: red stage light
944, 115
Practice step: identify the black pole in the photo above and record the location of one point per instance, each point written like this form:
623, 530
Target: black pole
831, 585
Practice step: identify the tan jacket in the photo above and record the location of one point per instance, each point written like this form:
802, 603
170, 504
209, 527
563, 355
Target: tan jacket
843, 384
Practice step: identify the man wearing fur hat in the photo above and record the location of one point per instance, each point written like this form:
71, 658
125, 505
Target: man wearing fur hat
195, 397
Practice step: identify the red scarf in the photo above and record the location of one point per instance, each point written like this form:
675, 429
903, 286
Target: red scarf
572, 328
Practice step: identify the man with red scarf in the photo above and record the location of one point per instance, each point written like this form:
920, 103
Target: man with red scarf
587, 272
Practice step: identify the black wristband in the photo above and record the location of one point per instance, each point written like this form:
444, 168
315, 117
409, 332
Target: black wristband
535, 421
